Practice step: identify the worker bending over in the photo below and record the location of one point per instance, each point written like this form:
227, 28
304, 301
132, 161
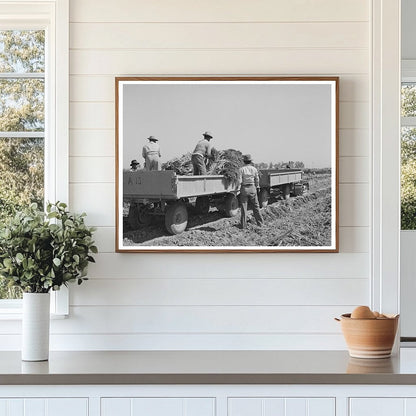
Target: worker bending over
203, 151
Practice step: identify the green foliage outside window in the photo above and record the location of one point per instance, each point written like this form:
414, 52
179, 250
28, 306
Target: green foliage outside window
21, 110
408, 159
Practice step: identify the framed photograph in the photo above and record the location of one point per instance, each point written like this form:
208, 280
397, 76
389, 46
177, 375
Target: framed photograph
226, 164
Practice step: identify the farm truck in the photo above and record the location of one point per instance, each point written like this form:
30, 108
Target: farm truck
166, 194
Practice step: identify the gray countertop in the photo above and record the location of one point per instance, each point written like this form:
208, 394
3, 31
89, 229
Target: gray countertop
207, 367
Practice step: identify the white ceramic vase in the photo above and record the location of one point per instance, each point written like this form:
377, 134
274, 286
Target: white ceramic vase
35, 326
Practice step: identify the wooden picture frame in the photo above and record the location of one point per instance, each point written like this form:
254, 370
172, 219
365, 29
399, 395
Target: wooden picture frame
289, 126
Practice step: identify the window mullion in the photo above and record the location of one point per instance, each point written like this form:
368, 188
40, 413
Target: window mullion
408, 121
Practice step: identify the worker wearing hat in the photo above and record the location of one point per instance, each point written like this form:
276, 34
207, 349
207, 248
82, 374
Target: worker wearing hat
248, 180
134, 165
151, 154
203, 151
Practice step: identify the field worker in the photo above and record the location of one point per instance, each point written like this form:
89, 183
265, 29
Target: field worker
151, 154
248, 178
134, 165
203, 151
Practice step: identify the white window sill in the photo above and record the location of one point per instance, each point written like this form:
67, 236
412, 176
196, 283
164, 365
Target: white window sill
12, 315
11, 309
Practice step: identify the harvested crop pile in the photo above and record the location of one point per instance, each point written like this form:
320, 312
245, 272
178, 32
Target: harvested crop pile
224, 162
181, 165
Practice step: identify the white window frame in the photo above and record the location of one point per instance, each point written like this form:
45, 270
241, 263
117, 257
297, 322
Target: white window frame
385, 209
53, 17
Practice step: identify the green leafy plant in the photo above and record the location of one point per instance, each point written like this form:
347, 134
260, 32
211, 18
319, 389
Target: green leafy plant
43, 251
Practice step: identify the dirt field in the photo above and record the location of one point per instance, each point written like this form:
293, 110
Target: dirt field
301, 221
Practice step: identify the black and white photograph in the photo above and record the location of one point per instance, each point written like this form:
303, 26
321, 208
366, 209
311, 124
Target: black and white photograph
235, 164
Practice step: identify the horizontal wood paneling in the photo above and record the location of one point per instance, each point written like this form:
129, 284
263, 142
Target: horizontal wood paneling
354, 115
91, 169
354, 142
218, 36
205, 266
216, 62
354, 202
354, 239
95, 143
218, 11
146, 342
206, 320
92, 115
96, 199
220, 291
104, 238
201, 319
101, 87
230, 301
354, 170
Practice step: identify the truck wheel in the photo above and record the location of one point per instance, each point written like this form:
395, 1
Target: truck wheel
202, 204
176, 218
263, 197
144, 216
298, 189
133, 218
286, 191
231, 205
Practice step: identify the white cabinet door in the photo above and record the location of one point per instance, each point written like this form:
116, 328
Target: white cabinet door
44, 407
160, 406
382, 406
377, 407
270, 406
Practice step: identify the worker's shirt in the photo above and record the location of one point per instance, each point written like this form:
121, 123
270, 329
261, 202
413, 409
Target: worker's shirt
151, 148
248, 175
203, 148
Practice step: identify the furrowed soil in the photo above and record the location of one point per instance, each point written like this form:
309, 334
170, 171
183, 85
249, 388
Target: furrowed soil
299, 221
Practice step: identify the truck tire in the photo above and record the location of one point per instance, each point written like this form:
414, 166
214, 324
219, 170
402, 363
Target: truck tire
263, 197
202, 205
144, 215
286, 191
133, 218
231, 205
298, 189
176, 218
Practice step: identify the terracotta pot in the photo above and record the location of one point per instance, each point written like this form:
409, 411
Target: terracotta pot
369, 338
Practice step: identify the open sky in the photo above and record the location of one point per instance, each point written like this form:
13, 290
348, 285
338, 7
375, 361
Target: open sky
273, 122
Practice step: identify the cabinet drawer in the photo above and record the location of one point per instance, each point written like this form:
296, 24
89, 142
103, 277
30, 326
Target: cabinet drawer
158, 406
44, 407
376, 406
281, 406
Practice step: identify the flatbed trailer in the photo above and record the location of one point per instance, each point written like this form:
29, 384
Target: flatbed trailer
164, 193
284, 182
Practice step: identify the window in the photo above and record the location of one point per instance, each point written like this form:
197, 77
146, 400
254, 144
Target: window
408, 154
33, 110
22, 124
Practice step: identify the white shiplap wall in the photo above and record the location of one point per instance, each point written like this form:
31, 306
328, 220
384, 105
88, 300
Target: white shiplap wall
218, 301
